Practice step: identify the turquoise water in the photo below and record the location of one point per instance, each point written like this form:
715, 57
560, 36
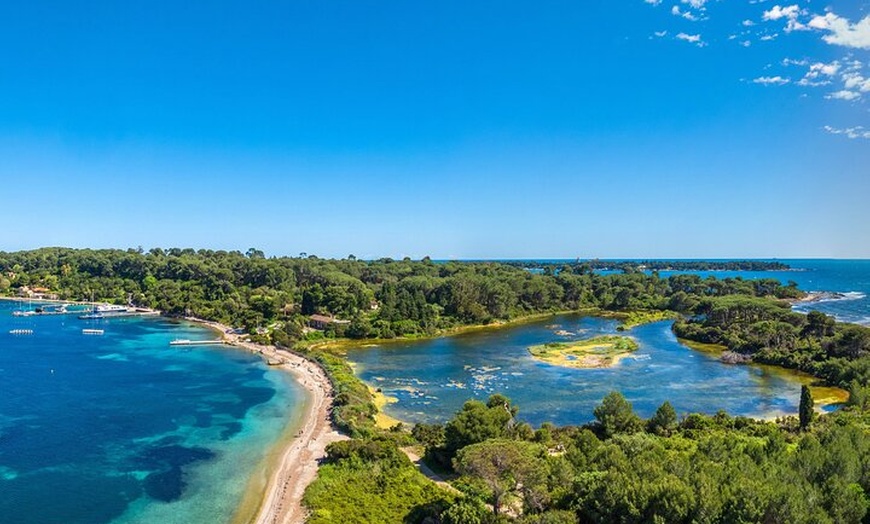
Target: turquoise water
124, 428
431, 379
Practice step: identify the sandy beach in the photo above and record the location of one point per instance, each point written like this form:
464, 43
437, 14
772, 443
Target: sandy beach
281, 501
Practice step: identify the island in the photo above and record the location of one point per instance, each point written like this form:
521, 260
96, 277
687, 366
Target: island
598, 352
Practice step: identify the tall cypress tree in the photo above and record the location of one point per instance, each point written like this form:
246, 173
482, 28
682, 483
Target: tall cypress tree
805, 411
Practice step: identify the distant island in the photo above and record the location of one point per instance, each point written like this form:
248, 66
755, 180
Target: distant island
628, 266
598, 352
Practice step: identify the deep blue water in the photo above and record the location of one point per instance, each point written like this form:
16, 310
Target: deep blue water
851, 277
431, 379
124, 428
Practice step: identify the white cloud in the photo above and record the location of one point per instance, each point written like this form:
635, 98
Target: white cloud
660, 33
825, 69
815, 75
842, 31
694, 39
685, 14
850, 132
771, 80
844, 95
767, 38
748, 23
653, 2
806, 82
792, 61
781, 12
696, 4
790, 13
856, 81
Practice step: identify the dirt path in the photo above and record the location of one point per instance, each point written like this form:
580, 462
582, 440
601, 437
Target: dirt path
414, 457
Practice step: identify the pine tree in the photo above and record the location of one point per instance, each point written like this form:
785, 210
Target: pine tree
805, 411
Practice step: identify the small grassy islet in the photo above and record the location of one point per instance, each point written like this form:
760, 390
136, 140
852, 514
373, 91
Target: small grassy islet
598, 352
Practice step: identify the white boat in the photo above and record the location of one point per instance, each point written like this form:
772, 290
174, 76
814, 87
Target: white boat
92, 332
21, 332
105, 310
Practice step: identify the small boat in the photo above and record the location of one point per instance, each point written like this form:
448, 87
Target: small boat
21, 332
92, 332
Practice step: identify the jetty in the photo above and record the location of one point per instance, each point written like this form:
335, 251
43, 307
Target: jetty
184, 342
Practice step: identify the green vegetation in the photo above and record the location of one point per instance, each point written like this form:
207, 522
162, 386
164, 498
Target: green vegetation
805, 410
621, 469
633, 319
273, 298
618, 469
770, 332
598, 352
353, 410
371, 482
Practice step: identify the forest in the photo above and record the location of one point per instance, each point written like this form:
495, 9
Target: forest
383, 298
617, 469
272, 298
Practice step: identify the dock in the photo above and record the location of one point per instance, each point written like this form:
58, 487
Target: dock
196, 342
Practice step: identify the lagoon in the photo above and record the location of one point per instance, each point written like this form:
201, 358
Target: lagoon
431, 379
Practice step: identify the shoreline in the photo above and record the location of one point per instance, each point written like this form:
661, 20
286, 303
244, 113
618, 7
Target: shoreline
823, 396
291, 465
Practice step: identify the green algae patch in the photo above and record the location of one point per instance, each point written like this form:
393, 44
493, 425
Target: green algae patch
634, 318
599, 352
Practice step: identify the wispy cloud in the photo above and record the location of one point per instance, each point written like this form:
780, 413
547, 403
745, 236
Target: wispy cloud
853, 80
694, 39
696, 4
843, 94
685, 14
771, 80
850, 132
818, 74
792, 61
842, 31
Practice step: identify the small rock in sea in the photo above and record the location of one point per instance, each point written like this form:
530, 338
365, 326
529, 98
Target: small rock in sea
730, 357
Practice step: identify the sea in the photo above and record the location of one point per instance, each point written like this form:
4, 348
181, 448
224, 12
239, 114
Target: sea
124, 428
848, 278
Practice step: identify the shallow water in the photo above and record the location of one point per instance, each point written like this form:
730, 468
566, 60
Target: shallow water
124, 428
431, 379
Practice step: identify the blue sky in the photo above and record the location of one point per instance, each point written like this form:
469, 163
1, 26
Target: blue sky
630, 128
